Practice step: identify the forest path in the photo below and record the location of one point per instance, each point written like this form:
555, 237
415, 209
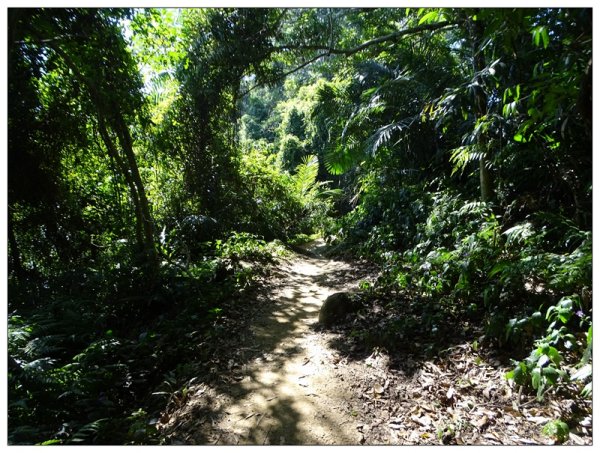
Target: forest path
284, 380
291, 390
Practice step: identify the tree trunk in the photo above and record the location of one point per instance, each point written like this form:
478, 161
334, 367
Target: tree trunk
144, 205
486, 179
17, 265
129, 169
111, 148
114, 120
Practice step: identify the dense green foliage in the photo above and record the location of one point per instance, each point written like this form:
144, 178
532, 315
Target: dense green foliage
159, 159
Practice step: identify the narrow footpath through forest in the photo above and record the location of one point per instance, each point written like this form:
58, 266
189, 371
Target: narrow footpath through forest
287, 381
292, 391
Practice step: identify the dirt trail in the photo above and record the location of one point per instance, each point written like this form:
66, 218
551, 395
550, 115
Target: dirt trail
283, 380
291, 391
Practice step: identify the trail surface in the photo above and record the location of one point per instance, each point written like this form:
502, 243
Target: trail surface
291, 391
283, 380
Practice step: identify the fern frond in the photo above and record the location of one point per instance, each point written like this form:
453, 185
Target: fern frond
87, 432
306, 174
461, 157
45, 346
472, 208
519, 233
330, 193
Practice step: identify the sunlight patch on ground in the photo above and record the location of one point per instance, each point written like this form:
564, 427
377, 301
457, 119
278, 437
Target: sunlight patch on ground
291, 392
290, 396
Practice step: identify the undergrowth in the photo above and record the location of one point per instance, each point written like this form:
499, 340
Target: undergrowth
96, 366
527, 284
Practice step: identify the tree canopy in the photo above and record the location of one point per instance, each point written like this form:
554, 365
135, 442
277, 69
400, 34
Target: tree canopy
154, 153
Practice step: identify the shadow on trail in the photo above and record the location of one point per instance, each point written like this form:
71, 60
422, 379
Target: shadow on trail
261, 391
409, 331
257, 394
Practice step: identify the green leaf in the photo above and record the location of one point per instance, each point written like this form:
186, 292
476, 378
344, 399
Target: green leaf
51, 442
536, 378
535, 37
429, 18
507, 93
498, 268
554, 355
543, 360
551, 374
518, 374
586, 392
545, 37
557, 430
540, 33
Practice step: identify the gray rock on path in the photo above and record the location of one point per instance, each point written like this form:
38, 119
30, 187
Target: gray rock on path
337, 306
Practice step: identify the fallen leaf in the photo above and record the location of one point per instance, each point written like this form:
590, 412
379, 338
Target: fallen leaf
396, 425
425, 420
576, 439
522, 440
416, 409
200, 391
414, 437
587, 422
510, 409
483, 421
491, 436
538, 420
487, 392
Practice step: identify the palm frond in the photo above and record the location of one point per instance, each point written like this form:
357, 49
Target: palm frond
339, 159
472, 207
385, 134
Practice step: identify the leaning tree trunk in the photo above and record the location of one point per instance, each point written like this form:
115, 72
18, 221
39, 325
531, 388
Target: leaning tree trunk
113, 152
145, 219
113, 119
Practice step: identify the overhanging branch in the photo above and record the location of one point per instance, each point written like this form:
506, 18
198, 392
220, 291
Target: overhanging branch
285, 74
381, 39
330, 50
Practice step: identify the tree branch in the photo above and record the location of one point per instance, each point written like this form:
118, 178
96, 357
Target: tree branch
285, 74
381, 39
40, 41
330, 50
